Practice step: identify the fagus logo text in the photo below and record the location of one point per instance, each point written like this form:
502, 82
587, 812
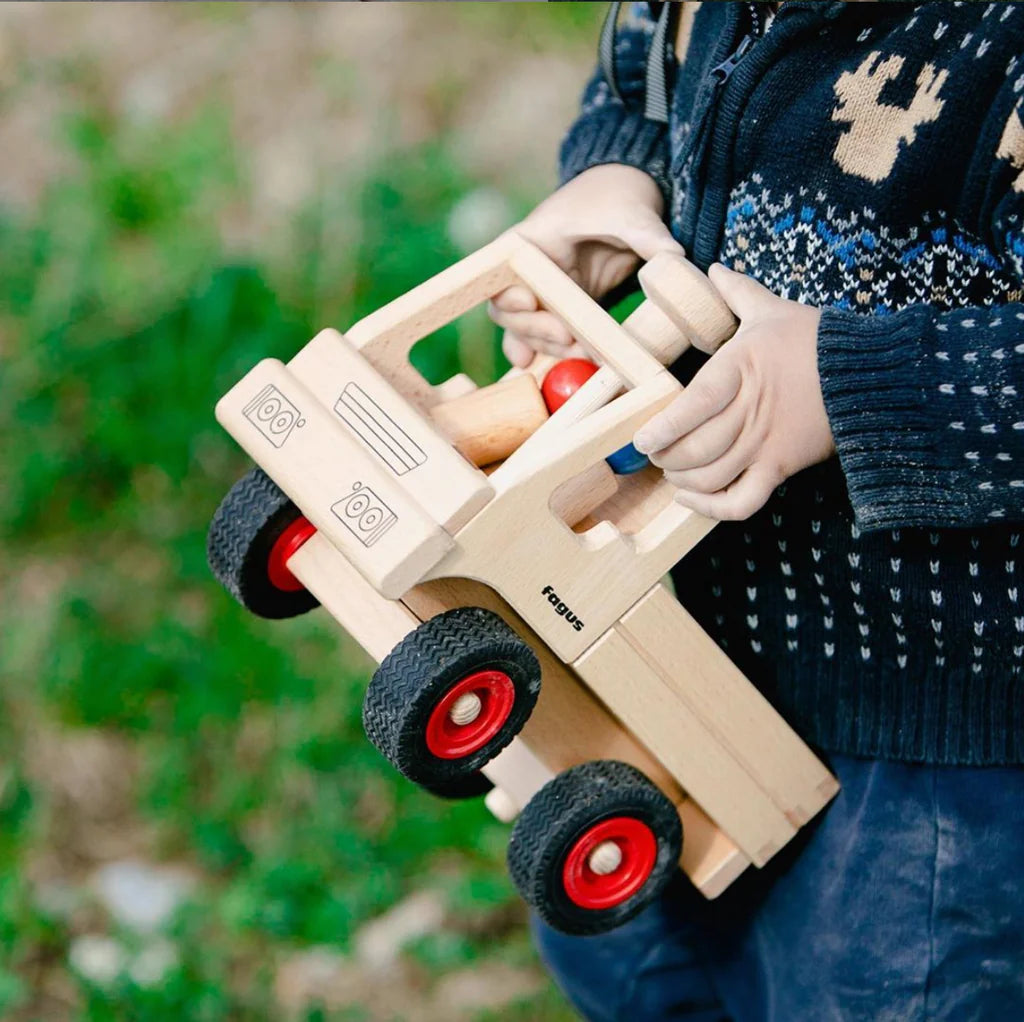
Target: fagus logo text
562, 608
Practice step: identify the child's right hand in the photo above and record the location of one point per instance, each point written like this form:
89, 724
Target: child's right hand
597, 228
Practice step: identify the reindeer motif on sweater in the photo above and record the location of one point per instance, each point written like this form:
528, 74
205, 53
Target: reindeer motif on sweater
872, 144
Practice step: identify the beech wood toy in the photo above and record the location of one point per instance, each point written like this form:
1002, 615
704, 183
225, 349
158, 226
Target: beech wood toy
526, 642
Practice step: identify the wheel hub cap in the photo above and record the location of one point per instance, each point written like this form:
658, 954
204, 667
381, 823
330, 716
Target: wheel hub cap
609, 863
284, 547
470, 714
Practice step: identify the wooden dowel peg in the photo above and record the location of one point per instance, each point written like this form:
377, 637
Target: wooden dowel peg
488, 424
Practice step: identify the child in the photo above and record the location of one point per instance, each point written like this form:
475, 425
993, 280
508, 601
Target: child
860, 170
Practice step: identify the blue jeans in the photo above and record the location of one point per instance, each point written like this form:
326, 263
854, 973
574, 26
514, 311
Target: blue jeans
905, 900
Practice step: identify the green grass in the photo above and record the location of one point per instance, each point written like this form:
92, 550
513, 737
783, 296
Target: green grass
121, 322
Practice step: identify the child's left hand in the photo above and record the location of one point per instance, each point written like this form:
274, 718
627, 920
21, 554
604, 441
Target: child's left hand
753, 415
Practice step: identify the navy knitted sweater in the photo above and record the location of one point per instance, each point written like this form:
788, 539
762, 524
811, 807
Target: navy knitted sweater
867, 159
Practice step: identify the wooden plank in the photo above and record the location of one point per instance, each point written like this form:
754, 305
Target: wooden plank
714, 689
414, 451
704, 768
334, 480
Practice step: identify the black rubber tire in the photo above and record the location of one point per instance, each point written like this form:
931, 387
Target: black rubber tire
419, 672
243, 531
560, 813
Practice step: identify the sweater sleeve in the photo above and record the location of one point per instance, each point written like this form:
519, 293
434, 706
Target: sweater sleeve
926, 406
611, 129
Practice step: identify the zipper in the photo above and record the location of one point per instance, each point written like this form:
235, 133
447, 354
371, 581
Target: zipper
710, 90
723, 72
711, 93
708, 216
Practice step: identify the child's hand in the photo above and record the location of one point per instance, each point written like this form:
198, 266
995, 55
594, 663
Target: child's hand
753, 415
597, 228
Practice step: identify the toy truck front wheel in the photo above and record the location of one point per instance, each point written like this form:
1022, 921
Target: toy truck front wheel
450, 696
253, 533
594, 846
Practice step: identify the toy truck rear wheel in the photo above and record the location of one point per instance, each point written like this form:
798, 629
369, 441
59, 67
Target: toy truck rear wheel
594, 846
253, 533
450, 696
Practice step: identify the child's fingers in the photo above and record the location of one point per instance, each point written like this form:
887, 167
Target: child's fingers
736, 502
721, 472
744, 295
514, 299
647, 236
710, 391
516, 350
543, 330
706, 443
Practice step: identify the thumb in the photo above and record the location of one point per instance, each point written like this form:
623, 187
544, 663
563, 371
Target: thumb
647, 235
744, 295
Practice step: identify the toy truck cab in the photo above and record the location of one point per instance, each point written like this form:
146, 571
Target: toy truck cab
523, 632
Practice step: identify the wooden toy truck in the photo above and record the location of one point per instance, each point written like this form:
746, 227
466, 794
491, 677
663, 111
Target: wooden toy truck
524, 635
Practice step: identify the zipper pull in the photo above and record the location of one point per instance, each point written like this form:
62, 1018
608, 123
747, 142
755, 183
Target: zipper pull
723, 71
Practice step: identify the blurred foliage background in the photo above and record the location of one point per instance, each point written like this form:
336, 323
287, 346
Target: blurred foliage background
192, 824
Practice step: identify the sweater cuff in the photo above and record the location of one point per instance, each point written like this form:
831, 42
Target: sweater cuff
884, 427
613, 134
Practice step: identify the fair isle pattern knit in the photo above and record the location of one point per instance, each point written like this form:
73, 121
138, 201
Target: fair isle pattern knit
867, 159
802, 248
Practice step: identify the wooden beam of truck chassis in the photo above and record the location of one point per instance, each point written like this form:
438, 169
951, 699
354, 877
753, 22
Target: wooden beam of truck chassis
641, 699
743, 721
569, 725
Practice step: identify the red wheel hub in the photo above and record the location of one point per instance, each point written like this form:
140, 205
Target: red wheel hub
638, 851
448, 739
284, 546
